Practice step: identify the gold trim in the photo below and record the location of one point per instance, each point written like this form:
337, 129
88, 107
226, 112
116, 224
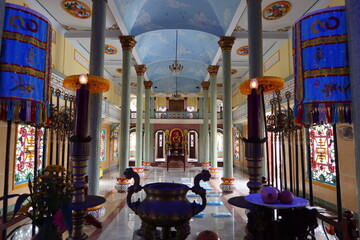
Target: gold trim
324, 40
226, 43
269, 83
96, 84
339, 71
321, 184
205, 85
127, 42
23, 38
140, 69
213, 70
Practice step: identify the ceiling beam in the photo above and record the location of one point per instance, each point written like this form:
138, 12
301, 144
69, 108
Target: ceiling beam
266, 35
87, 34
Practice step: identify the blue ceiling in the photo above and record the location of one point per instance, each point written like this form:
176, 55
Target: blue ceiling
154, 24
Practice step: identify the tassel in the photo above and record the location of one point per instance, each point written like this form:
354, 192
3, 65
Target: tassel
22, 114
341, 114
10, 111
28, 111
17, 110
37, 113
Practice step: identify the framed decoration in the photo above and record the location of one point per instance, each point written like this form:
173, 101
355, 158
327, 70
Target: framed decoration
25, 153
275, 58
77, 9
116, 144
276, 10
243, 51
111, 50
102, 145
322, 154
81, 59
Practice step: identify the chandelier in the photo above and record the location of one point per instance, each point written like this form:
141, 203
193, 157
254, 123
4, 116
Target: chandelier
176, 94
176, 67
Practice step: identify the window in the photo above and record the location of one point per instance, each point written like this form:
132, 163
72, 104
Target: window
25, 153
116, 144
322, 154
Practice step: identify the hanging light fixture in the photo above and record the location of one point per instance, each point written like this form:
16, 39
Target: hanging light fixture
176, 94
176, 67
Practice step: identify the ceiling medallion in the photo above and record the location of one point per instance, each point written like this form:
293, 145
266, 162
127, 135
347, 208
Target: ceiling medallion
276, 10
176, 67
110, 49
77, 9
233, 71
243, 51
119, 70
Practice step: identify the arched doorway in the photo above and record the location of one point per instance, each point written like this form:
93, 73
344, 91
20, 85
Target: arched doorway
193, 145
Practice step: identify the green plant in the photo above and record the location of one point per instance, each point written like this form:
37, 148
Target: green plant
48, 204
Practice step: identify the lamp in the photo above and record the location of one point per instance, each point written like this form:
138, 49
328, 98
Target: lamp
176, 67
176, 94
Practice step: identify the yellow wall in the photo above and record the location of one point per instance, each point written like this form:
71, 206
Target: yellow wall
193, 101
334, 3
160, 101
284, 67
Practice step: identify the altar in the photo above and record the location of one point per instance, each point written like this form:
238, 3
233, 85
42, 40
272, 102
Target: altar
176, 157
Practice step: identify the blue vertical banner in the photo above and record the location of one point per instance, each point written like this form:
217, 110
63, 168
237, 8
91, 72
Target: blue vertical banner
25, 64
322, 81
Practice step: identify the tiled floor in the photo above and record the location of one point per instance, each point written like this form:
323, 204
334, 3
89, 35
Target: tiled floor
120, 222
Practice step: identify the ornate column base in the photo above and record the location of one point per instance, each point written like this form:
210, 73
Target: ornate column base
122, 184
205, 165
97, 211
139, 170
227, 185
214, 173
146, 165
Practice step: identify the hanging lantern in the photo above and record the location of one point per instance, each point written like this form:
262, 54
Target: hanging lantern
322, 82
25, 63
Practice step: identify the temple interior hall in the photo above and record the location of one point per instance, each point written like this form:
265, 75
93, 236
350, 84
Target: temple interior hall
179, 119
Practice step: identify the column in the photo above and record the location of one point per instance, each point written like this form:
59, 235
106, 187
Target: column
127, 43
254, 150
201, 141
352, 10
205, 128
227, 184
140, 71
214, 170
95, 99
147, 156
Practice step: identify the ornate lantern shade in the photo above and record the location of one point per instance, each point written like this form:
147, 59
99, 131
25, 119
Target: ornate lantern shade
25, 63
322, 82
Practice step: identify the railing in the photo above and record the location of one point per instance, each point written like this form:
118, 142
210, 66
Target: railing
176, 115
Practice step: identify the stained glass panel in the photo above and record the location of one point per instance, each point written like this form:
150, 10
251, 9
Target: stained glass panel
219, 141
133, 141
25, 153
322, 154
116, 144
102, 145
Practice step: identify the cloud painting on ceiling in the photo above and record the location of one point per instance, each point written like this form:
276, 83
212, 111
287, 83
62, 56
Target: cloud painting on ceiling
141, 16
183, 85
160, 45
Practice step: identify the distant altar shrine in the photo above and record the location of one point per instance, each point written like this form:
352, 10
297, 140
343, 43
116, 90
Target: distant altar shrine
176, 146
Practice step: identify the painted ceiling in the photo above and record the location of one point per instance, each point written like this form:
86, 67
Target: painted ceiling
195, 25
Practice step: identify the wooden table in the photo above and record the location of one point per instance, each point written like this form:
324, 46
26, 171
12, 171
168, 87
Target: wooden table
175, 157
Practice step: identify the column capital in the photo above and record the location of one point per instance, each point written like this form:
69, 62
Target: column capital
226, 43
127, 42
205, 85
148, 84
140, 69
213, 70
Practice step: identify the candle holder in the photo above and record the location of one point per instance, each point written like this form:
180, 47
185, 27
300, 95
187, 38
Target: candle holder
254, 144
80, 143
